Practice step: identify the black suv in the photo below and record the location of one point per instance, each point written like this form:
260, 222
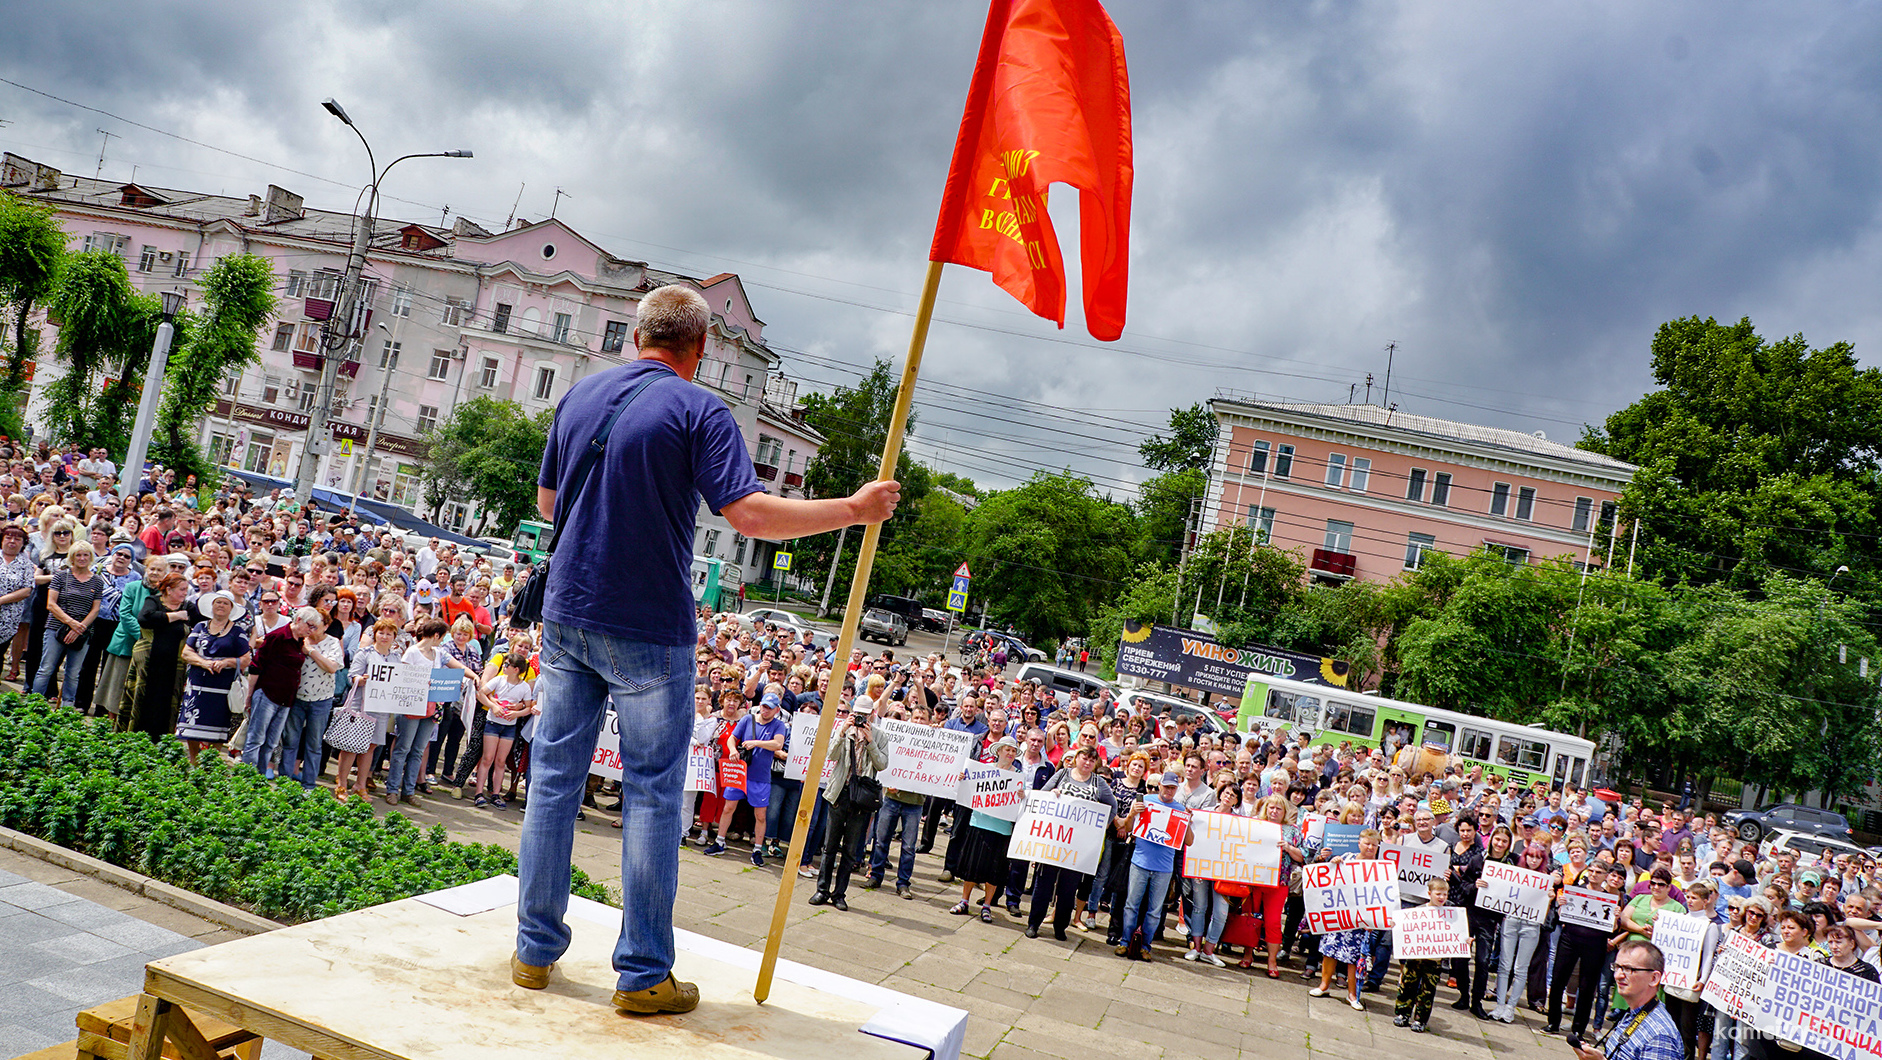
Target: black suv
906, 606
1789, 817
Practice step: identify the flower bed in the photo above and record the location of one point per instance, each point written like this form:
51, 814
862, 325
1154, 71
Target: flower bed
220, 829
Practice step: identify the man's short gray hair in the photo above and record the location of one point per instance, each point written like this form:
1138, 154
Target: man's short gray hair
673, 317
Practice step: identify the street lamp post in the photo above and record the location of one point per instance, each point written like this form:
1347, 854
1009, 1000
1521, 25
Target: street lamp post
346, 310
147, 401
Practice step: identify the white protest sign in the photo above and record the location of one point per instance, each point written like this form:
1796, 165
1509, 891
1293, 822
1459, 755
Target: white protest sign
1233, 848
1737, 986
1429, 932
1417, 865
1313, 826
1514, 891
395, 688
1163, 826
996, 792
1060, 830
607, 758
923, 760
1595, 909
1681, 939
699, 770
1342, 895
1799, 1000
803, 739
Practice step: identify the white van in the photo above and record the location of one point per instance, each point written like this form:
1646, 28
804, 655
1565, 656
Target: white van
1061, 682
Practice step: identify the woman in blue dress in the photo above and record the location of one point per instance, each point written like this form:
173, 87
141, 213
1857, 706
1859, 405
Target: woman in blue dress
216, 651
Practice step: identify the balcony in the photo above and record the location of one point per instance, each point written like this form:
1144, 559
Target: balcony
318, 308
792, 478
313, 362
768, 472
1331, 564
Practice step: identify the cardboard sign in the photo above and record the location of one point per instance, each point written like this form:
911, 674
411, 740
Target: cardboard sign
1163, 826
395, 688
923, 760
1682, 940
1342, 895
1313, 826
1796, 999
1515, 891
1416, 866
607, 757
996, 792
1589, 908
1233, 848
699, 771
801, 742
1060, 830
1343, 839
1430, 932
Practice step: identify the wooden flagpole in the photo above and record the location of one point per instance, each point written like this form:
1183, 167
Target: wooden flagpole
852, 615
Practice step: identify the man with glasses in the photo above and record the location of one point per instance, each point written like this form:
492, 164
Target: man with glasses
1646, 1031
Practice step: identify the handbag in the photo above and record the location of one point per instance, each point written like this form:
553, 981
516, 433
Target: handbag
351, 728
529, 600
864, 794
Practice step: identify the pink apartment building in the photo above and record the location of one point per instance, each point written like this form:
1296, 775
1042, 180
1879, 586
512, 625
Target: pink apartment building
1363, 492
456, 312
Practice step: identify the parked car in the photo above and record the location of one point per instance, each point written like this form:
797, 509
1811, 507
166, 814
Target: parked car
885, 626
1061, 682
934, 621
906, 606
1789, 817
1806, 845
1140, 702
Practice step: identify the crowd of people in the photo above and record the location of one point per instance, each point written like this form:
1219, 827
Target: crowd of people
1582, 981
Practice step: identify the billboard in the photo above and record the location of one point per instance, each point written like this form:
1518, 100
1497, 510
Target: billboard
1181, 657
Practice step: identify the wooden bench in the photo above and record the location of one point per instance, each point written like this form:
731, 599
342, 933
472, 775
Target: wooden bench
104, 1033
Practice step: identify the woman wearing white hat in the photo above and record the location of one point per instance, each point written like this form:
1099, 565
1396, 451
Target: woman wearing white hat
216, 651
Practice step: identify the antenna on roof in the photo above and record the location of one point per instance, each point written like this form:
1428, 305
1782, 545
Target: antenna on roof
1391, 349
519, 201
557, 201
1368, 388
106, 142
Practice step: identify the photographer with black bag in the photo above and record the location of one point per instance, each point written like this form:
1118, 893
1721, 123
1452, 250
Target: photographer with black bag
854, 796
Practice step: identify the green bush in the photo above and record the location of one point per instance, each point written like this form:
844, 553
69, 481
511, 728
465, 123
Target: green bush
220, 829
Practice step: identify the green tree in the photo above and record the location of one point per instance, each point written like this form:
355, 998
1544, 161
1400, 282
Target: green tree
106, 329
1190, 442
924, 552
489, 451
1165, 501
238, 300
1149, 596
32, 245
1049, 553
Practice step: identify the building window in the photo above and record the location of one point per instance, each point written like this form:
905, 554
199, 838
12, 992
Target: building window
440, 365
309, 341
1336, 469
283, 338
1262, 519
768, 450
1500, 499
260, 445
1584, 507
1339, 536
1441, 489
297, 283
323, 285
614, 339
1512, 555
712, 543
427, 419
182, 263
453, 314
545, 382
309, 394
407, 485
389, 355
372, 408
456, 514
232, 385
501, 322
1415, 485
1608, 510
1258, 460
270, 389
147, 260
1415, 548
1526, 503
738, 547
1362, 474
488, 377
1283, 460
559, 329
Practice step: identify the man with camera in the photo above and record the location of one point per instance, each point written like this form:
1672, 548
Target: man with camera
854, 796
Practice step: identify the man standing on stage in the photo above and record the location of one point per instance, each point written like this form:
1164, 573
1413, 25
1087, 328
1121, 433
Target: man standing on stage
618, 629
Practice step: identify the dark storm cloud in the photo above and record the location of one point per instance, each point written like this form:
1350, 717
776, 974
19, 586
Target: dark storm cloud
1518, 194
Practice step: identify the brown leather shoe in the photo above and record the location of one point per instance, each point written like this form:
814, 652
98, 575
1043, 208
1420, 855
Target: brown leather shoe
669, 998
528, 976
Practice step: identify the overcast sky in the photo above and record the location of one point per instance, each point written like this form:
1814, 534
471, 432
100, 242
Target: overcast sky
1515, 194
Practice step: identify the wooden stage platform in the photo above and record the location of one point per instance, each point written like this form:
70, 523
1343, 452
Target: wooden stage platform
428, 977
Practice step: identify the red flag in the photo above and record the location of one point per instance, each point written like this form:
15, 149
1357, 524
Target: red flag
1050, 102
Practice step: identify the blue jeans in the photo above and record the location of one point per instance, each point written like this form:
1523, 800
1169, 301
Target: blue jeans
782, 816
1208, 911
909, 813
52, 651
303, 736
651, 689
265, 722
1143, 902
408, 755
1519, 944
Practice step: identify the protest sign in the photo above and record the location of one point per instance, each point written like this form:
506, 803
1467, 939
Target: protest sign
797, 759
1796, 999
923, 760
1343, 839
1162, 826
699, 771
1416, 865
1681, 939
1313, 826
395, 688
1514, 891
1595, 909
607, 758
447, 684
1342, 895
1739, 969
996, 792
1233, 848
1429, 932
1060, 830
